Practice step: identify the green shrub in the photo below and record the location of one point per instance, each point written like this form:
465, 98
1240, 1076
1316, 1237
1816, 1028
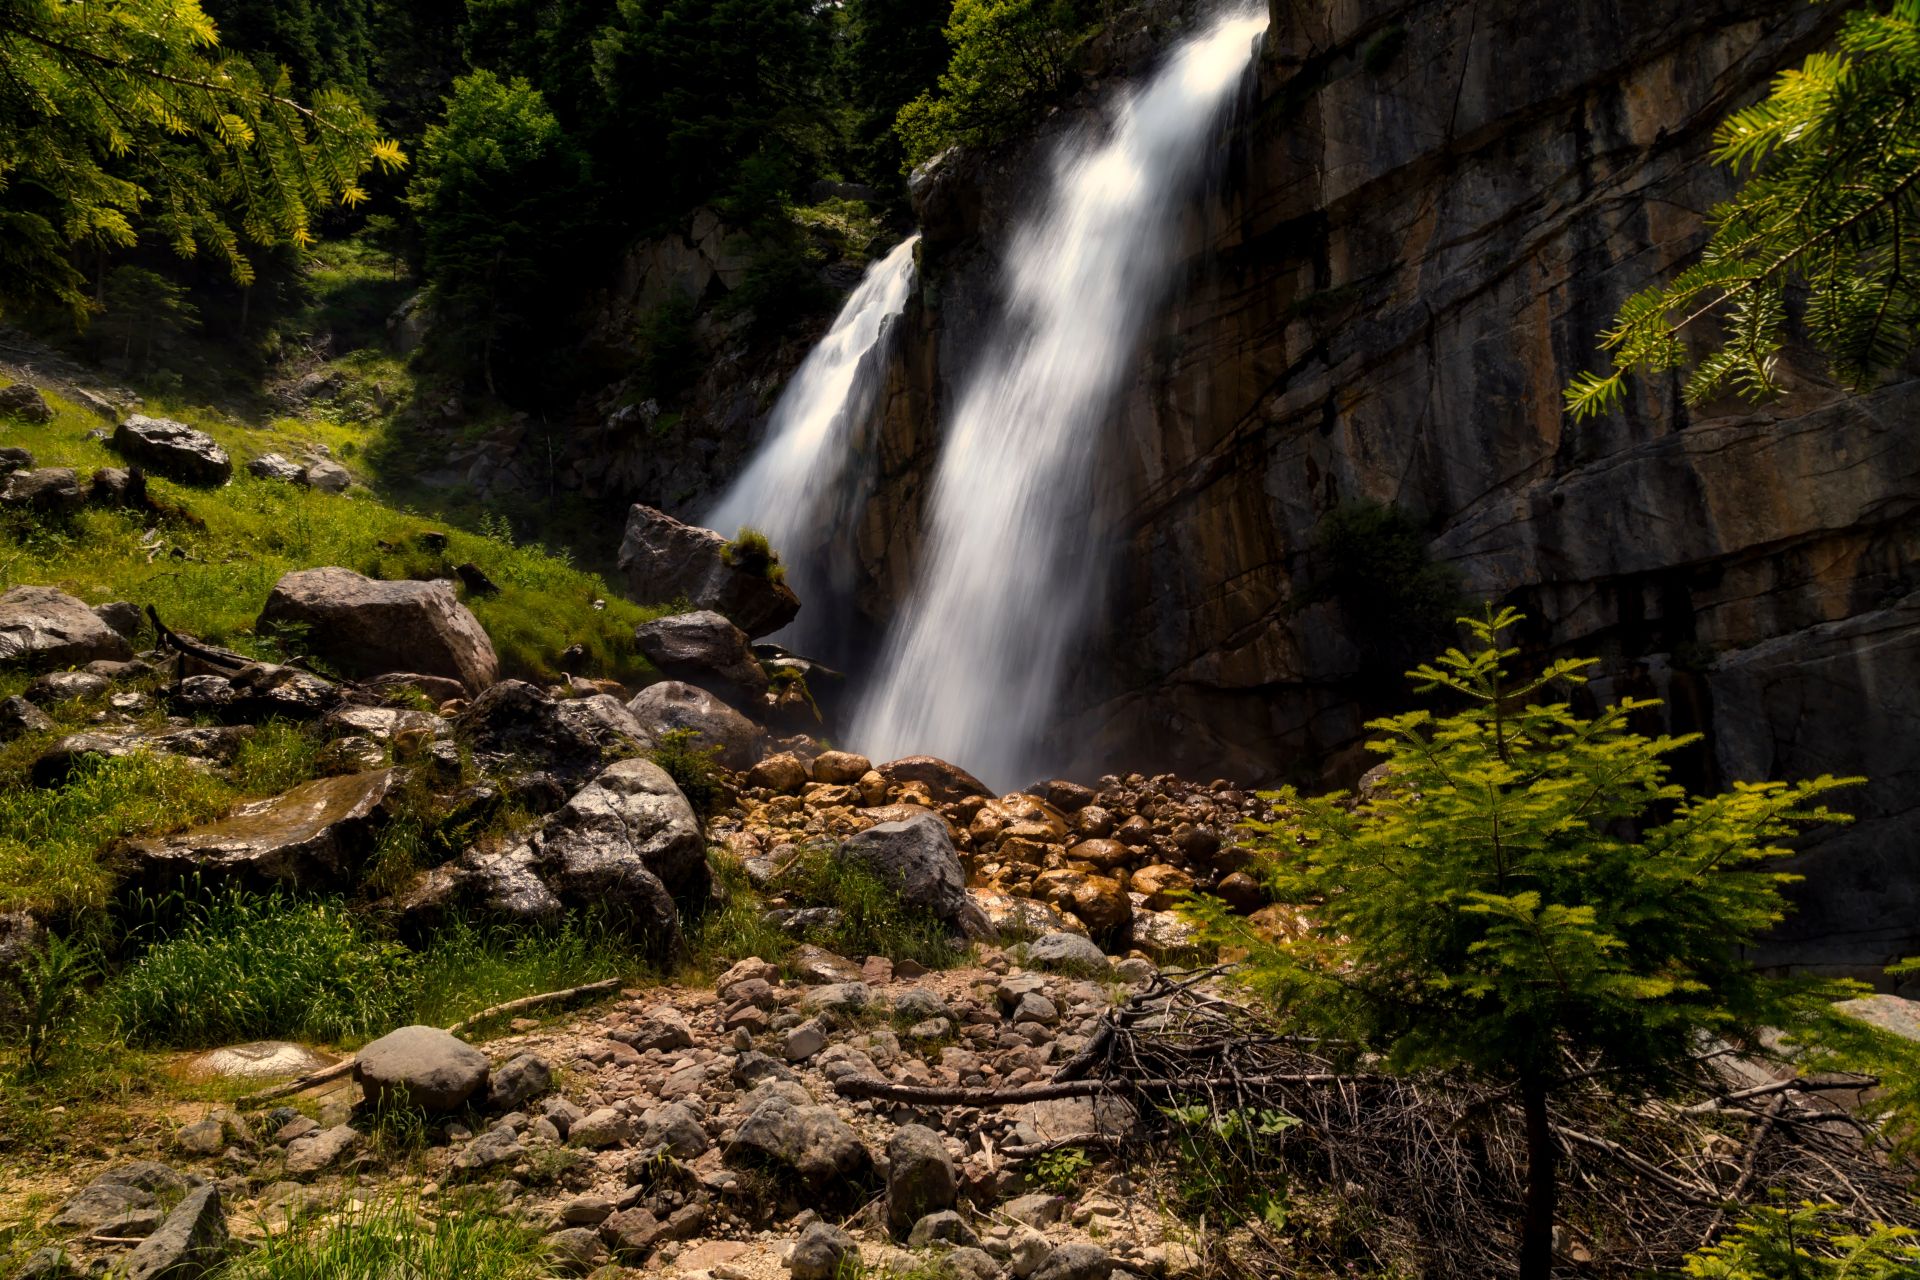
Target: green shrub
388, 1238
465, 968
753, 551
695, 770
1804, 1242
46, 988
278, 757
251, 967
873, 921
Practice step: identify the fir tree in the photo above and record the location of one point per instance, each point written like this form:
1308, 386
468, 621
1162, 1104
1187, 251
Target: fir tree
1528, 888
1828, 215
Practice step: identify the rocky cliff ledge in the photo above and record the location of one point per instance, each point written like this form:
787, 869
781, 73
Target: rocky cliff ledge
1426, 214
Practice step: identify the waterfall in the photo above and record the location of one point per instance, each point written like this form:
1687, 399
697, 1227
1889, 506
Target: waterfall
798, 490
971, 665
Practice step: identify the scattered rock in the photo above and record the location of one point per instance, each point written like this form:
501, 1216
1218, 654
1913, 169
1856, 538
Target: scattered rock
1076, 1262
945, 1227
811, 1143
664, 559
13, 458
326, 476
317, 1152
604, 1127
917, 858
271, 466
704, 649
576, 1250
921, 1179
49, 490
173, 449
823, 1252
41, 628
98, 1203
312, 837
840, 766
65, 686
422, 1067
1063, 951
944, 782
18, 716
519, 1080
190, 1243
368, 627
781, 773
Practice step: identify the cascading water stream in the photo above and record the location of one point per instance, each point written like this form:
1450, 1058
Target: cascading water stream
971, 666
796, 490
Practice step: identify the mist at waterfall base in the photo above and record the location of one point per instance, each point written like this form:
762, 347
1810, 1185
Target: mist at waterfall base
803, 486
971, 666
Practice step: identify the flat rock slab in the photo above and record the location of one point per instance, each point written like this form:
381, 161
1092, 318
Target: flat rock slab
190, 1243
173, 449
1893, 1014
311, 837
261, 1060
42, 628
367, 627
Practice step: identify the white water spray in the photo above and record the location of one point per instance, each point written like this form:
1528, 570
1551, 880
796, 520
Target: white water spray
796, 489
971, 668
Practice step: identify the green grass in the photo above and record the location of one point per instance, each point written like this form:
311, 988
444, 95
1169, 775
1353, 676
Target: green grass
395, 1238
465, 968
51, 838
254, 967
278, 757
212, 582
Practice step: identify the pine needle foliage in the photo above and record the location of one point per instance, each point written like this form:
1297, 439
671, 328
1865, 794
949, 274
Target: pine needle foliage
127, 117
1829, 210
1800, 1242
1529, 888
1009, 58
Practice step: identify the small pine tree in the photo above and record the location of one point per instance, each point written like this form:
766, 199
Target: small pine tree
1526, 883
1798, 1242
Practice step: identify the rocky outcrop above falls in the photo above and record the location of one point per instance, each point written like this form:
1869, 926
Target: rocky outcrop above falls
1422, 218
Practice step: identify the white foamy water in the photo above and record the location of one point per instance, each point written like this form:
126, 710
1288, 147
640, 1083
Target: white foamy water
972, 666
796, 490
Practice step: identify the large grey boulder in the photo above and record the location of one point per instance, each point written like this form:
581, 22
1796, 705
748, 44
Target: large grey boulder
313, 837
917, 858
920, 1176
702, 648
364, 626
191, 1242
813, 1145
173, 449
628, 841
48, 491
664, 559
23, 401
671, 705
422, 1067
42, 628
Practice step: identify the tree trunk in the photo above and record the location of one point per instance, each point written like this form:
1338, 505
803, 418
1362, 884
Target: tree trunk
1536, 1228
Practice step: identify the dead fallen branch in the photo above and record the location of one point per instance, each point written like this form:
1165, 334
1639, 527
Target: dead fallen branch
326, 1074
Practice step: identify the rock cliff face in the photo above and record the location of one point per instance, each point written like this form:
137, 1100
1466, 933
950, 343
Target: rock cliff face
1426, 212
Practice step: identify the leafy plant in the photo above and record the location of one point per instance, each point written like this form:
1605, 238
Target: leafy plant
390, 1237
1831, 162
48, 983
255, 966
1060, 1171
1226, 1161
1803, 1242
1009, 58
1529, 882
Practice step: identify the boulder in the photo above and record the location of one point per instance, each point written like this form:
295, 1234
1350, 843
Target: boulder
1063, 951
672, 1128
823, 1252
781, 773
313, 837
840, 766
943, 1228
173, 449
98, 1203
14, 458
123, 616
24, 401
421, 1067
18, 716
672, 705
319, 1151
520, 1079
1076, 1262
944, 782
813, 1145
191, 1242
271, 466
326, 476
49, 490
574, 737
917, 858
65, 686
364, 626
704, 649
921, 1179
664, 559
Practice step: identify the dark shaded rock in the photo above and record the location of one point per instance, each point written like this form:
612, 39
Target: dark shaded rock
811, 1144
421, 1067
703, 649
917, 858
944, 782
24, 401
1063, 951
664, 559
49, 1262
64, 686
364, 626
1076, 1262
173, 449
18, 716
118, 487
823, 1252
313, 837
191, 1242
475, 579
519, 1080
49, 490
98, 1203
945, 1227
13, 458
437, 689
123, 616
672, 705
920, 1178
574, 737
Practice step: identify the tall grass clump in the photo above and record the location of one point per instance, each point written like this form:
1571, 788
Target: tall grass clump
246, 966
388, 1238
51, 838
873, 919
464, 968
753, 551
278, 757
736, 926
